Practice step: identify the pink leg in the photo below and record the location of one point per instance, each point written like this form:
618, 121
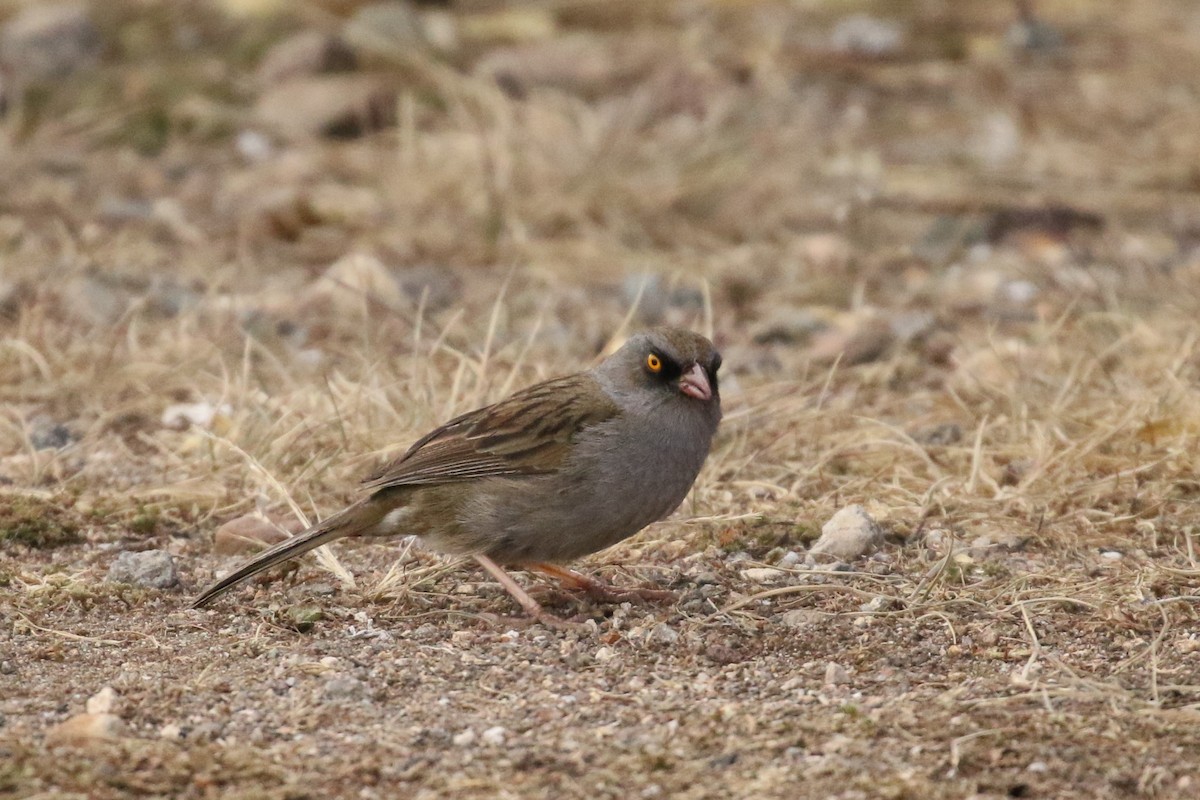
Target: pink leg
531, 606
600, 589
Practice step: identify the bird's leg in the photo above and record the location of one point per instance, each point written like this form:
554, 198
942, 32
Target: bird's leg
599, 589
532, 607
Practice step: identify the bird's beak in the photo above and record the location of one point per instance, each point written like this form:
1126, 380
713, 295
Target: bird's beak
694, 383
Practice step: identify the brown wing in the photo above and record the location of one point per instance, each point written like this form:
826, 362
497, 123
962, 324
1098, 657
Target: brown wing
527, 434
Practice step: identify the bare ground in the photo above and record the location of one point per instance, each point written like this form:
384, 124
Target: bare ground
954, 282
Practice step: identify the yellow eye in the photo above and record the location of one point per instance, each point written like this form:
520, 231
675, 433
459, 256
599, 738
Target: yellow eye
653, 363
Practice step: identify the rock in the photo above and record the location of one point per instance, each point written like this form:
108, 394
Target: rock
305, 53
849, 534
246, 534
352, 281
789, 559
859, 339
991, 544
789, 325
151, 569
939, 435
343, 687
510, 25
662, 633
252, 8
302, 618
763, 574
86, 728
908, 326
997, 141
494, 736
380, 31
464, 739
44, 41
836, 674
102, 702
169, 299
46, 434
338, 204
938, 539
437, 287
864, 35
92, 300
1031, 36
253, 146
338, 106
204, 414
800, 617
823, 252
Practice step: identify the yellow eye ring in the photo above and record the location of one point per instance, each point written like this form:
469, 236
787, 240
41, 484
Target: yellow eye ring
653, 363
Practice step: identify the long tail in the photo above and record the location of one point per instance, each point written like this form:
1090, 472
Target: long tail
349, 522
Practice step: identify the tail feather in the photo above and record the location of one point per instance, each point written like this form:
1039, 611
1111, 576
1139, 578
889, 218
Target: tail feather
351, 521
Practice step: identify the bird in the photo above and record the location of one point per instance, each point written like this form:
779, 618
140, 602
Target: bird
554, 472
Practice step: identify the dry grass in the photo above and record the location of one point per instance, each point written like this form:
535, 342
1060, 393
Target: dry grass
1030, 450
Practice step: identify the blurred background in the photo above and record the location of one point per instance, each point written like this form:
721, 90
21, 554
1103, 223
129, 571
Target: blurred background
781, 161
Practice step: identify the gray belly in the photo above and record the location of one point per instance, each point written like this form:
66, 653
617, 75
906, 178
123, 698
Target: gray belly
609, 490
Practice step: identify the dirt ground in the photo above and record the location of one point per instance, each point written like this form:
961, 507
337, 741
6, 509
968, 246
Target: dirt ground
950, 252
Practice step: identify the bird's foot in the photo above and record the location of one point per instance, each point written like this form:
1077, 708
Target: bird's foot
601, 590
531, 606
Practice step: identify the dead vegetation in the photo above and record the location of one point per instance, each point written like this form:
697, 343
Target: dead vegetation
953, 276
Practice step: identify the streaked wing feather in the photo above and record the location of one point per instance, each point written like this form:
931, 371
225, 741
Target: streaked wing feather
526, 434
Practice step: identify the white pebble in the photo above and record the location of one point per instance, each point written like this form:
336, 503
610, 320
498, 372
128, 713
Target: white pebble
848, 534
836, 674
763, 574
102, 702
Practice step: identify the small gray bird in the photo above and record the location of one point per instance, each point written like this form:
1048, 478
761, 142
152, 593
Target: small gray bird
556, 471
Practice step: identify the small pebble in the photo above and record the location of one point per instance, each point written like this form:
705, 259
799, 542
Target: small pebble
464, 739
662, 633
183, 415
763, 574
102, 702
836, 674
343, 687
849, 534
152, 569
85, 728
800, 617
789, 559
494, 736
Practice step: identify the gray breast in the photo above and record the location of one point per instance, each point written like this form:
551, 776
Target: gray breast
622, 476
